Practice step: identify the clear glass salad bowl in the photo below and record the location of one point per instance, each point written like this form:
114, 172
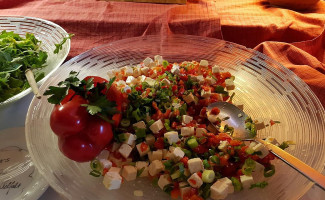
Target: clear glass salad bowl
48, 33
266, 88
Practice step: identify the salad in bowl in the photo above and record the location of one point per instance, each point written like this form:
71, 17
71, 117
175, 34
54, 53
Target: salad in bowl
151, 120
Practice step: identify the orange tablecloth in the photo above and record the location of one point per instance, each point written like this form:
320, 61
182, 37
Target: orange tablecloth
295, 39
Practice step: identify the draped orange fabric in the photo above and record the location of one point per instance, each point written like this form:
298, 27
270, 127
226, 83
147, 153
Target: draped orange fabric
295, 39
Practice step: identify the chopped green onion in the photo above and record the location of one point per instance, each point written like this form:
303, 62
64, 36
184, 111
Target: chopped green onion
140, 132
175, 175
208, 176
215, 159
206, 164
167, 127
95, 173
192, 143
236, 183
165, 63
140, 171
187, 153
168, 164
151, 122
249, 151
136, 114
248, 166
167, 121
259, 185
95, 165
269, 171
125, 122
122, 137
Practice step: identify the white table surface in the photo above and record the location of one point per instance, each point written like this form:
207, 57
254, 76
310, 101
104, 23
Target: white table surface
14, 115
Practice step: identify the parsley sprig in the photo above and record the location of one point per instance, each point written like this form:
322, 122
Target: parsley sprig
98, 104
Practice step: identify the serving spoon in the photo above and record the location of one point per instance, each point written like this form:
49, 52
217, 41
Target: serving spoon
236, 119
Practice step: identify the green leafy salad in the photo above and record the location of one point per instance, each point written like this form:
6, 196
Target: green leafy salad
17, 54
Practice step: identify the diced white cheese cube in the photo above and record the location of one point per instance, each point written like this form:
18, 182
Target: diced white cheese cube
220, 189
205, 94
158, 59
165, 82
112, 180
184, 188
111, 73
195, 181
155, 167
259, 124
150, 139
260, 147
103, 154
115, 146
129, 173
200, 132
175, 69
228, 182
230, 84
150, 81
144, 70
258, 172
271, 140
128, 71
115, 169
141, 78
156, 126
246, 181
172, 137
156, 155
215, 69
136, 72
164, 180
130, 138
125, 150
120, 84
177, 154
143, 166
105, 163
130, 80
187, 131
210, 80
199, 78
140, 124
223, 145
195, 165
143, 148
147, 61
204, 63
186, 119
189, 98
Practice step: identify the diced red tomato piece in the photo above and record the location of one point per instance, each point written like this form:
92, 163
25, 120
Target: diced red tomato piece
159, 144
184, 160
143, 147
235, 142
215, 111
175, 193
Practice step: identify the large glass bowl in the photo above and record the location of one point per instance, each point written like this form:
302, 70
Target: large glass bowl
266, 88
48, 33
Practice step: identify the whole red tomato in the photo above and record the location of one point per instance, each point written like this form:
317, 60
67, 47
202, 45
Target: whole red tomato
78, 148
69, 118
98, 131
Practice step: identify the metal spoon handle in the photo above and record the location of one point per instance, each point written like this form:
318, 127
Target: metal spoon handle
296, 164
